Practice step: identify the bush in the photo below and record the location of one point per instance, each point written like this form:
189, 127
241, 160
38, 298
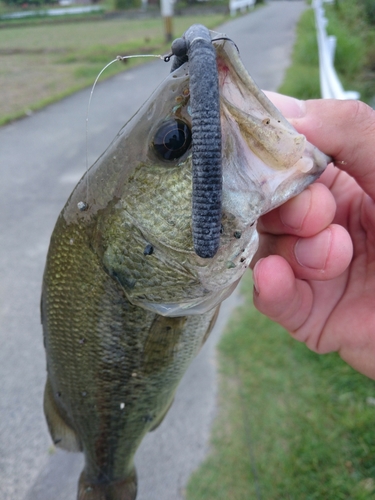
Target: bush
369, 6
353, 23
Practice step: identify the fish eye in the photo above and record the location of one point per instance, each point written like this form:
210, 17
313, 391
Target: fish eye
172, 139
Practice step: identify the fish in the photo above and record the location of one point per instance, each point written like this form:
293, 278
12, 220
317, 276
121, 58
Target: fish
133, 284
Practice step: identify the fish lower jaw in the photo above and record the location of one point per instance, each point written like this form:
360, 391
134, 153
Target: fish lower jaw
191, 307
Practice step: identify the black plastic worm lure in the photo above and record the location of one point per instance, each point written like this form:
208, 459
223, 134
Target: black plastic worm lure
196, 47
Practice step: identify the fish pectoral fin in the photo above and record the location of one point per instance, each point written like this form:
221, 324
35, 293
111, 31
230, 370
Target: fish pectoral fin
62, 434
125, 489
161, 418
162, 343
211, 325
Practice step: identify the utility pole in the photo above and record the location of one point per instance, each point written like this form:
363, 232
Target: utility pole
167, 15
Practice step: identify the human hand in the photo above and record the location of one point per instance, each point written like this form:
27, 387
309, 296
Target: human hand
315, 268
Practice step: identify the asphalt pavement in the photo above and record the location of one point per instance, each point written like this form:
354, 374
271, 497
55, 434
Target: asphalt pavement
41, 159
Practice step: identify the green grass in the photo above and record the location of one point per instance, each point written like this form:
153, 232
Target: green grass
355, 52
43, 63
354, 57
302, 77
291, 424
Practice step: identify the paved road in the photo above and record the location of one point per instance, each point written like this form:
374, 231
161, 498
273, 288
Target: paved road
41, 159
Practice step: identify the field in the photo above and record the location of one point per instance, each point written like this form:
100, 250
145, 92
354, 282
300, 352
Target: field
42, 63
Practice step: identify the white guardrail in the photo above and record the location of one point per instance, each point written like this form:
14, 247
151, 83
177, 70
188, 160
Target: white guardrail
330, 85
242, 5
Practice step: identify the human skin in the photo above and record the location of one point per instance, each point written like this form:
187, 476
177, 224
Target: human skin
314, 272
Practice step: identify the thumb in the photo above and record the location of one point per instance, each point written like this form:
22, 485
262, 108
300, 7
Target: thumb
344, 130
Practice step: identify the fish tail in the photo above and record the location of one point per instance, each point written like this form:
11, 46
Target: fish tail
125, 489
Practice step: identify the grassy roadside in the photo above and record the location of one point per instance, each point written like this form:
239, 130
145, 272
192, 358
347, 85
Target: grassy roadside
302, 77
41, 64
291, 424
354, 57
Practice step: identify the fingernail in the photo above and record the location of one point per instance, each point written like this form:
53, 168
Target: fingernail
293, 213
255, 278
295, 108
313, 252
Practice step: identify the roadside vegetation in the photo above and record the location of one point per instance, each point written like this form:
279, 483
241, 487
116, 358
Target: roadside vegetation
41, 63
291, 424
353, 24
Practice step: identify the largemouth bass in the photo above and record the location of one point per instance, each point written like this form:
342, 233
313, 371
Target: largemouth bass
132, 284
